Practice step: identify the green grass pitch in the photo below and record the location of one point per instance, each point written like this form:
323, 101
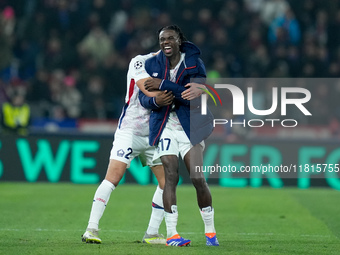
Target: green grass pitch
45, 218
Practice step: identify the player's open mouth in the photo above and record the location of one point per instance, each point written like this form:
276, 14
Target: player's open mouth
167, 49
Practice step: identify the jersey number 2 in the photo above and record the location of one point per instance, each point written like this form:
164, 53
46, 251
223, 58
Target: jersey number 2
129, 153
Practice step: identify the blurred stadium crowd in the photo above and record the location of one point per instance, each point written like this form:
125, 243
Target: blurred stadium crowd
70, 57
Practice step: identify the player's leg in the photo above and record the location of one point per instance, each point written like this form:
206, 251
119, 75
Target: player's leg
168, 152
158, 171
194, 157
170, 163
114, 174
152, 235
120, 157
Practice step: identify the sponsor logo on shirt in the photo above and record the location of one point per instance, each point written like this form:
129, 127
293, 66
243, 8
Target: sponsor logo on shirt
140, 72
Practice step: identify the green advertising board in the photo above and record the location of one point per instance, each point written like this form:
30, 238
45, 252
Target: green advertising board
84, 159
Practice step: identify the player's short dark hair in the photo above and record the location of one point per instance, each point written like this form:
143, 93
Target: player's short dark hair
176, 29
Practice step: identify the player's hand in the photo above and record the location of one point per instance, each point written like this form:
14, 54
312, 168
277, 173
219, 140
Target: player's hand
194, 90
152, 84
164, 98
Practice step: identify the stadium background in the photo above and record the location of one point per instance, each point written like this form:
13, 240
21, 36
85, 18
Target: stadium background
69, 59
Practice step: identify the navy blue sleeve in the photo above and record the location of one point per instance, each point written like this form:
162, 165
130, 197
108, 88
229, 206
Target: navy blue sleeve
175, 89
147, 102
171, 86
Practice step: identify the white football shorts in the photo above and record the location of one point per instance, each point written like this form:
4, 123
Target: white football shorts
126, 146
173, 142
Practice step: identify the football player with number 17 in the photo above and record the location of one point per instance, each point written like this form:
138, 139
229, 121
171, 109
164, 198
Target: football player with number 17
179, 128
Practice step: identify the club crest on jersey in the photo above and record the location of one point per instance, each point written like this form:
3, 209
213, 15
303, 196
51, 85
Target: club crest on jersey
138, 65
154, 74
120, 153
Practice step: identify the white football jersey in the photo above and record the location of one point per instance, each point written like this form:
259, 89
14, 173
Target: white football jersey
134, 116
173, 122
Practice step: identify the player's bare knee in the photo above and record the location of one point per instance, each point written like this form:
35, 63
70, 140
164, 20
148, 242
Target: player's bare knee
158, 171
115, 171
169, 162
113, 179
199, 182
161, 183
172, 178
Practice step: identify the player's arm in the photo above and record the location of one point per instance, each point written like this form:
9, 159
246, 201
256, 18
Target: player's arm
162, 98
154, 84
141, 75
196, 89
179, 90
154, 99
147, 98
193, 90
187, 93
140, 85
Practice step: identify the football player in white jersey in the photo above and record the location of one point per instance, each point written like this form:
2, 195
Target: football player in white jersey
131, 140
